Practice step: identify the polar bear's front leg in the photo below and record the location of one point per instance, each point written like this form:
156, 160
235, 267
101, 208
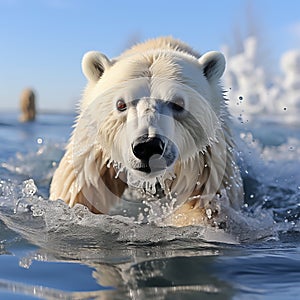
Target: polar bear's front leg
70, 185
199, 210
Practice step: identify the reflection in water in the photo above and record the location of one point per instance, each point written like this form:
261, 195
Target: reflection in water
173, 273
178, 264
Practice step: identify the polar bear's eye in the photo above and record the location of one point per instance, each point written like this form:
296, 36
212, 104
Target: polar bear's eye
177, 104
121, 105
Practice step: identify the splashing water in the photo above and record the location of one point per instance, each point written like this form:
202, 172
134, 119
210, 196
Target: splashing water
272, 193
56, 216
148, 187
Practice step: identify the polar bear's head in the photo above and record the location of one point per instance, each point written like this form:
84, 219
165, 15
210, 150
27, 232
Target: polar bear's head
147, 112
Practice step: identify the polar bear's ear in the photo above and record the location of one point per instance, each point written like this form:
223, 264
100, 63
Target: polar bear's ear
94, 64
213, 64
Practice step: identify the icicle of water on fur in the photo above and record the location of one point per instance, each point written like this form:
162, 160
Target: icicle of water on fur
138, 183
149, 185
117, 166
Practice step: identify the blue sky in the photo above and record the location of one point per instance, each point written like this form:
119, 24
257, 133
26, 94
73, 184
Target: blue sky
43, 41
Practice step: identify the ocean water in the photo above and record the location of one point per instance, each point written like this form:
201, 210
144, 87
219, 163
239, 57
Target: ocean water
49, 251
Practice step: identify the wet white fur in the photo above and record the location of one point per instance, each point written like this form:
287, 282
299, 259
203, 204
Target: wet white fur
157, 69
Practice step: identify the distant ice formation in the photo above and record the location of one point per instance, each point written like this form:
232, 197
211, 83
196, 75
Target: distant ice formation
253, 92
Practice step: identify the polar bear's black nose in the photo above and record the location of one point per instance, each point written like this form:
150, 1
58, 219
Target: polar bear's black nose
144, 148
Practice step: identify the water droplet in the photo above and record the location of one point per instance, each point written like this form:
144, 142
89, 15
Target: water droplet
209, 213
39, 141
29, 188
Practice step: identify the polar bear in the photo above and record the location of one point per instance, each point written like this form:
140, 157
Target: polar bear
27, 105
153, 119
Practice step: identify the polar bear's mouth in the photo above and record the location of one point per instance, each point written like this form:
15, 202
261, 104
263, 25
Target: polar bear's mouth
155, 164
152, 155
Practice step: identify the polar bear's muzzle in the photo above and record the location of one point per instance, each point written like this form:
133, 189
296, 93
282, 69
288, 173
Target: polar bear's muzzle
144, 148
153, 154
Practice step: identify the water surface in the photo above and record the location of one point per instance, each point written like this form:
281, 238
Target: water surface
49, 251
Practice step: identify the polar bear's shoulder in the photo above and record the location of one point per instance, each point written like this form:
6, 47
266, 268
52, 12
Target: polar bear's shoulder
162, 43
